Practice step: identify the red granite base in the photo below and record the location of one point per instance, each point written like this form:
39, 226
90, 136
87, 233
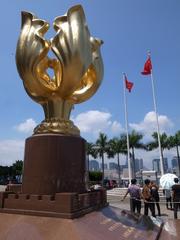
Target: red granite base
63, 205
54, 163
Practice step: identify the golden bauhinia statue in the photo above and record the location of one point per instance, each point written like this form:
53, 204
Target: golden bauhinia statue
77, 66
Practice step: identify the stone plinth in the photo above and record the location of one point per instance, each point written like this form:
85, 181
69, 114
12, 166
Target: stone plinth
62, 205
53, 180
54, 163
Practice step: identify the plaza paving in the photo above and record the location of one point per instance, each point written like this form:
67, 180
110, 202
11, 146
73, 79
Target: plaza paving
114, 198
171, 228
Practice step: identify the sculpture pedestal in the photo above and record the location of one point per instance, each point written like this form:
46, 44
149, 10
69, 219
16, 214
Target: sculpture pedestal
53, 180
53, 164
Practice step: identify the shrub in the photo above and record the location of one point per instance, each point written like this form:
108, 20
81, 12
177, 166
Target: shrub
95, 176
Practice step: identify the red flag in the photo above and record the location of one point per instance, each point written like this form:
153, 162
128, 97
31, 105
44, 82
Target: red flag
129, 85
147, 67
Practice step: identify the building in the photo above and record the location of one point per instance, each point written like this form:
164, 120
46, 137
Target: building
123, 167
156, 165
151, 175
105, 166
113, 166
111, 174
175, 166
138, 165
166, 165
125, 177
93, 165
174, 162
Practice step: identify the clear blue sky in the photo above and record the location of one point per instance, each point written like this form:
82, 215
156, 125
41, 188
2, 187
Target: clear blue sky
128, 28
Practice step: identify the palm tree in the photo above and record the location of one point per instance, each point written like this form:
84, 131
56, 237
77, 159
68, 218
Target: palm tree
116, 147
134, 143
17, 168
154, 144
174, 141
102, 148
90, 151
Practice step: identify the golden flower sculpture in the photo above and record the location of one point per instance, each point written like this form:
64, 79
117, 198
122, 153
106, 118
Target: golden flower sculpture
77, 67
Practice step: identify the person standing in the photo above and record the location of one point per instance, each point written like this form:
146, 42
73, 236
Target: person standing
176, 196
148, 199
135, 196
155, 195
167, 193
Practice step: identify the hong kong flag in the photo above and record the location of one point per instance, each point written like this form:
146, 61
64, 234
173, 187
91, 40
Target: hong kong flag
147, 67
129, 85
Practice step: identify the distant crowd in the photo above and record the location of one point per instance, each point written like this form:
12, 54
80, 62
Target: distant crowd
150, 195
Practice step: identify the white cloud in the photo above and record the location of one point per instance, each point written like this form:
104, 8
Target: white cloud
27, 126
10, 151
94, 121
149, 125
116, 127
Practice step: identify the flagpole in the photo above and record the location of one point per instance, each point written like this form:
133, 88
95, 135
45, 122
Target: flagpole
127, 132
158, 131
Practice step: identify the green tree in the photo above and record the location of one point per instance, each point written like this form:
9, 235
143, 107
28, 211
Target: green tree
117, 146
17, 168
174, 142
90, 151
155, 144
4, 171
134, 143
102, 148
95, 176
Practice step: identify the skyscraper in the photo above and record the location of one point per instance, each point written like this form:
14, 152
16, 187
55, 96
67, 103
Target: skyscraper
105, 166
93, 165
138, 164
175, 166
113, 165
174, 162
165, 165
156, 165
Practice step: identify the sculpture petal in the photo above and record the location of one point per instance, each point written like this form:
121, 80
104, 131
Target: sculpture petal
31, 52
72, 47
93, 77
